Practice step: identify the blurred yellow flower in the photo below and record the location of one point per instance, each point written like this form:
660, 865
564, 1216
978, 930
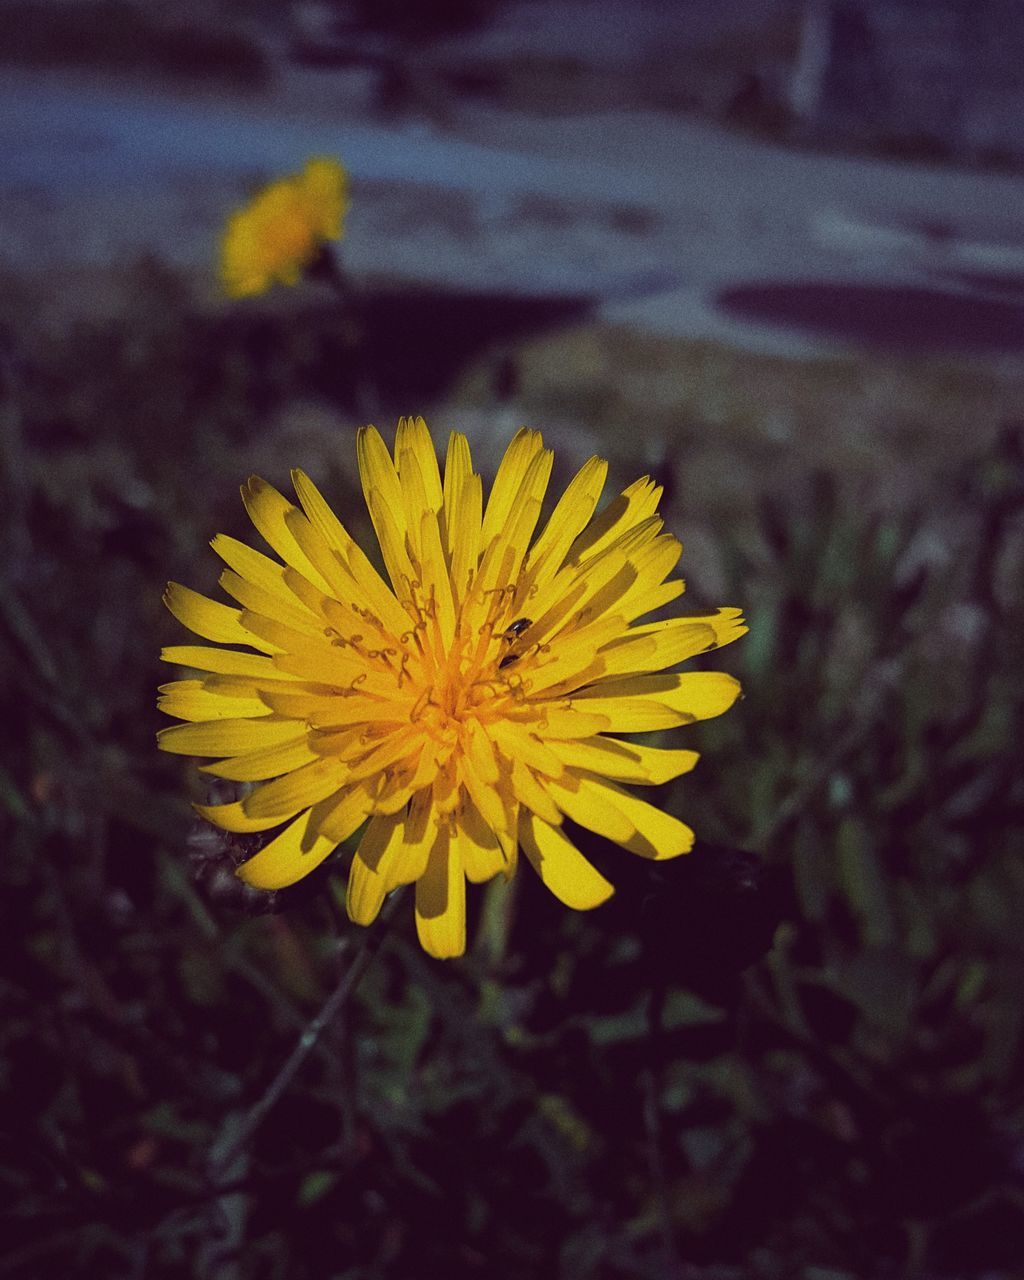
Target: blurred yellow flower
463, 710
274, 237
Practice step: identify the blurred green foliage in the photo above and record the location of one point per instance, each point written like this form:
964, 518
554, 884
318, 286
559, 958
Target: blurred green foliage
801, 1060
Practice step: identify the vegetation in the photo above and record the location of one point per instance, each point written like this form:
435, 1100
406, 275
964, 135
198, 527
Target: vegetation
793, 1052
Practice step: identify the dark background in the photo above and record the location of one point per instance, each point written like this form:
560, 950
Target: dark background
772, 254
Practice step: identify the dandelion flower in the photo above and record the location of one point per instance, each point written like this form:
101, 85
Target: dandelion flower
280, 231
462, 711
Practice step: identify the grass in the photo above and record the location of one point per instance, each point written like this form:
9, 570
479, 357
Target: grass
832, 1083
860, 416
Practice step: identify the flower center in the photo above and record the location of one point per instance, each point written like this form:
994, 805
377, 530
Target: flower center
457, 689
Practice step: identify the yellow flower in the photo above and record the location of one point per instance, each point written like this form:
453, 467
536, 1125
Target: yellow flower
461, 711
279, 232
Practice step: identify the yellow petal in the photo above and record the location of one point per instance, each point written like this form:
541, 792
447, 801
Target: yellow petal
225, 661
415, 503
441, 902
253, 565
300, 789
642, 828
435, 572
578, 657
419, 833
630, 594
458, 467
653, 563
376, 469
532, 793
570, 592
383, 493
556, 723
232, 817
334, 712
188, 700
406, 785
412, 436
395, 747
728, 624
641, 703
225, 737
339, 667
268, 762
481, 753
658, 834
268, 510
591, 810
393, 851
637, 715
376, 594
269, 604
520, 741
483, 794
480, 850
625, 761
511, 472
643, 599
209, 619
319, 514
275, 636
561, 866
323, 183
345, 815
637, 503
464, 536
391, 535
570, 516
640, 651
521, 519
298, 850
368, 876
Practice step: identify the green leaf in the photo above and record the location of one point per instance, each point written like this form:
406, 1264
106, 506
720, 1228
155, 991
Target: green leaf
863, 883
811, 872
315, 1186
684, 1009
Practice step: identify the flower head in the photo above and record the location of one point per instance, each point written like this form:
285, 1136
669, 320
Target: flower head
461, 711
277, 234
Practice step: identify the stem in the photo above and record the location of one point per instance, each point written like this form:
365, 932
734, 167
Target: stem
327, 269
305, 1044
652, 1128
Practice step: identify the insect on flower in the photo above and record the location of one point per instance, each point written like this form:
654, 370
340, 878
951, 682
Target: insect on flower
412, 709
512, 633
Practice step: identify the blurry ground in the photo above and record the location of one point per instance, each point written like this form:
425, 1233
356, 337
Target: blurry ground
821, 359
672, 230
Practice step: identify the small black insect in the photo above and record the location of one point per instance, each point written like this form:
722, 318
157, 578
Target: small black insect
512, 633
